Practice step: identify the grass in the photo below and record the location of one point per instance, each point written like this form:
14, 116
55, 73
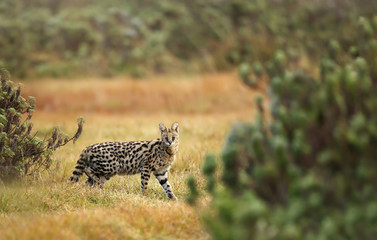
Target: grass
49, 207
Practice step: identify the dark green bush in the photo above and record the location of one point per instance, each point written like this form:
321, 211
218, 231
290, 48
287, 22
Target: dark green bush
307, 169
22, 153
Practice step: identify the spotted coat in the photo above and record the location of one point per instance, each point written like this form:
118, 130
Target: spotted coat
101, 161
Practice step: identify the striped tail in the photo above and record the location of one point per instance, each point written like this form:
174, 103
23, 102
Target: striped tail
79, 169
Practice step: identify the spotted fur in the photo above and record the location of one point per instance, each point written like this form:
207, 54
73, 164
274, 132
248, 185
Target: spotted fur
101, 161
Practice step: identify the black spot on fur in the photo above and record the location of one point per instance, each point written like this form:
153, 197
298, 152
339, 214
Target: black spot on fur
163, 181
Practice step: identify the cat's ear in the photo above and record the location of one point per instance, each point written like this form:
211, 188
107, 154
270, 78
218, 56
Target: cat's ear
162, 127
174, 127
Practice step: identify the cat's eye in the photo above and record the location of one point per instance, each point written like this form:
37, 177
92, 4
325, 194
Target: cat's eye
173, 138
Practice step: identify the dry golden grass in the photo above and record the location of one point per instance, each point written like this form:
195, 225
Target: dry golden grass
50, 207
216, 93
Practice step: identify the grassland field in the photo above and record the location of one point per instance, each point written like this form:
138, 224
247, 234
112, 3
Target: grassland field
122, 109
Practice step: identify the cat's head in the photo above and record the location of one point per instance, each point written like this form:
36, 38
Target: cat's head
169, 136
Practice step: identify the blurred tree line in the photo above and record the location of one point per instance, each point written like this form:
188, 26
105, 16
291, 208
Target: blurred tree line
65, 38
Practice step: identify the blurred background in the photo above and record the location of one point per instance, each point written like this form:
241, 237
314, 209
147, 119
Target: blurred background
56, 38
197, 46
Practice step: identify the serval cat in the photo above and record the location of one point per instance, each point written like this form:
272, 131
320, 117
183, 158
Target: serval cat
101, 161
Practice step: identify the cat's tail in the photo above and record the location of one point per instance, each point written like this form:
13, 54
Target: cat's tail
79, 169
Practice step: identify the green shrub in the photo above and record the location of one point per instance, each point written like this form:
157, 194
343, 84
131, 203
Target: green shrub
307, 170
22, 153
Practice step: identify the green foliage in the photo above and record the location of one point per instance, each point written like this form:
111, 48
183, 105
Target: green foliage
308, 170
194, 193
61, 38
21, 152
209, 170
